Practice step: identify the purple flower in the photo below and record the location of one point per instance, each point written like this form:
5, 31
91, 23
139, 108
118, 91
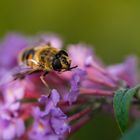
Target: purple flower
83, 55
79, 54
101, 80
40, 127
52, 39
50, 123
51, 102
10, 48
13, 93
58, 121
126, 71
72, 95
97, 78
11, 127
11, 124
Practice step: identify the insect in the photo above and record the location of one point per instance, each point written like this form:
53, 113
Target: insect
43, 58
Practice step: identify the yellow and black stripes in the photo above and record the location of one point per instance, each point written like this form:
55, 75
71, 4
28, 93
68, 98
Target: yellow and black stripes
27, 55
45, 58
38, 57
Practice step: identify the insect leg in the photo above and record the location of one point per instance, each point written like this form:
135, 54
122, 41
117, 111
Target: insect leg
42, 77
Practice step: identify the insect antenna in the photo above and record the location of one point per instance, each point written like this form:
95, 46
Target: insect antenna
72, 68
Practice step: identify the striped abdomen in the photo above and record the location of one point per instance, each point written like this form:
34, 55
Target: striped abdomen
36, 56
27, 55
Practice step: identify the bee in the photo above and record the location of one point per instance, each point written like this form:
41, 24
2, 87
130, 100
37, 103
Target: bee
43, 58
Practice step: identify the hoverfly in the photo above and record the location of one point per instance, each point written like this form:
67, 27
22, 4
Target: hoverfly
43, 58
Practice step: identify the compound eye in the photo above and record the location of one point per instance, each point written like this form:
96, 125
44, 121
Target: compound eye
56, 65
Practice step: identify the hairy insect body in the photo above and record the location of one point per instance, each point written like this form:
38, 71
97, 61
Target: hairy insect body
40, 57
43, 58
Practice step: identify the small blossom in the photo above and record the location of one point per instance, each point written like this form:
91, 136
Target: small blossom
73, 93
79, 53
51, 102
12, 94
10, 48
58, 121
51, 122
51, 39
11, 127
126, 71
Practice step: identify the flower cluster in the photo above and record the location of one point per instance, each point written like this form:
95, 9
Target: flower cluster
28, 111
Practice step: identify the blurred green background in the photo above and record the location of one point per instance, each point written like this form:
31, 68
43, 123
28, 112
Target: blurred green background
112, 27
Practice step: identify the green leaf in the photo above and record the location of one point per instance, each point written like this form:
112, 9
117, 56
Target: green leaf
133, 134
121, 103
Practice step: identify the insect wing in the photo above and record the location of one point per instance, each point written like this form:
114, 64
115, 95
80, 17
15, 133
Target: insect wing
16, 73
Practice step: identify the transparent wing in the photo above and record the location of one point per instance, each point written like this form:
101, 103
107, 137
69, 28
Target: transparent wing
18, 72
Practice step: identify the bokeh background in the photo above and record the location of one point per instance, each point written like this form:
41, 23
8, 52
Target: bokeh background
112, 27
